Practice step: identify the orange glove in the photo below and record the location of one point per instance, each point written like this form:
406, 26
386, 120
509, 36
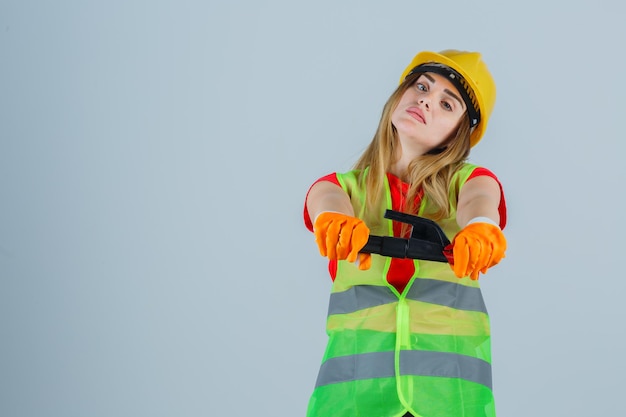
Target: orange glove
340, 237
476, 248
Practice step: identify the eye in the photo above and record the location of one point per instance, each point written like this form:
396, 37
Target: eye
446, 106
421, 87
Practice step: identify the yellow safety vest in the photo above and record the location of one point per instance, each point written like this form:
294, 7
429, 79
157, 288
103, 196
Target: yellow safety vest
425, 350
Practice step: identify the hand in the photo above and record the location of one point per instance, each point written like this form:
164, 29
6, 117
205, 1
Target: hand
476, 248
341, 237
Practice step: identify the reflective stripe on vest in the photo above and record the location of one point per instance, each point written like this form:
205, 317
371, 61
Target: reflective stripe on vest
432, 291
420, 363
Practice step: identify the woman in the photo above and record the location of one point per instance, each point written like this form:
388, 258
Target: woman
410, 337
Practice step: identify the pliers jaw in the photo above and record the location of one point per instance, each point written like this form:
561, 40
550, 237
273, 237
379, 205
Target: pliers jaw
427, 240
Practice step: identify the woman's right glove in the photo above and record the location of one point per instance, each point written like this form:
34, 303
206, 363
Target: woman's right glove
476, 248
341, 237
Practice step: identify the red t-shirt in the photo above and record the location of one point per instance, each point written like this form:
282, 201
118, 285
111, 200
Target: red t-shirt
401, 270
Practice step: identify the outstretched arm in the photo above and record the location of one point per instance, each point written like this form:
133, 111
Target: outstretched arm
326, 196
479, 197
480, 244
339, 235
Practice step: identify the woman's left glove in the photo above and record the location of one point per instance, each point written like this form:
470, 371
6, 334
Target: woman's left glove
476, 248
340, 237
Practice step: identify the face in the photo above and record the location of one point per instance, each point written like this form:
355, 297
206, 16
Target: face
427, 113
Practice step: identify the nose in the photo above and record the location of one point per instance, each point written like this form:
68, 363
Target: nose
425, 101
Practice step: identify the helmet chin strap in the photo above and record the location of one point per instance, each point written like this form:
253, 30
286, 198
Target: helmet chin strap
436, 151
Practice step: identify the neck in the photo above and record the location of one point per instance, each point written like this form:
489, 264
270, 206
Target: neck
404, 156
399, 169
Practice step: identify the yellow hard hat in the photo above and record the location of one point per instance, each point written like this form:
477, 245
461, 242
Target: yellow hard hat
475, 83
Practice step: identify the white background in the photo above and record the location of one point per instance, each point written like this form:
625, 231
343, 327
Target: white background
154, 157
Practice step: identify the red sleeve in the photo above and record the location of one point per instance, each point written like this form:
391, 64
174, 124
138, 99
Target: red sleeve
502, 208
307, 219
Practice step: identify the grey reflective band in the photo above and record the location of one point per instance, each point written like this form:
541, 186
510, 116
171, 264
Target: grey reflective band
445, 364
447, 294
432, 291
360, 297
356, 367
412, 362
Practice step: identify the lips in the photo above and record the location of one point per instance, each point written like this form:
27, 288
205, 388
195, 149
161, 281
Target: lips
417, 114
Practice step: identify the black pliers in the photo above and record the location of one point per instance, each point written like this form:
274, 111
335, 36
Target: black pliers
427, 241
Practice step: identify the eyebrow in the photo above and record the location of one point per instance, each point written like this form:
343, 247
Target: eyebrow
432, 80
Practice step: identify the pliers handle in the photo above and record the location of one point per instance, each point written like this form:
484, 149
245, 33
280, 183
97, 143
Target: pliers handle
427, 241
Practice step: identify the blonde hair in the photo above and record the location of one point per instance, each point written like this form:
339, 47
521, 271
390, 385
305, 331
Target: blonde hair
430, 173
